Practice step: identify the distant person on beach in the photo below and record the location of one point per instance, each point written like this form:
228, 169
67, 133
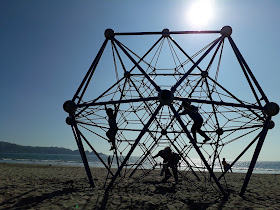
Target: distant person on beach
170, 159
192, 111
111, 133
109, 160
226, 165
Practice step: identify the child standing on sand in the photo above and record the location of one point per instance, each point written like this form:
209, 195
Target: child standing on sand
226, 165
170, 159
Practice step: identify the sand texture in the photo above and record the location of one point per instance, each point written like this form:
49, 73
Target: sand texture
24, 186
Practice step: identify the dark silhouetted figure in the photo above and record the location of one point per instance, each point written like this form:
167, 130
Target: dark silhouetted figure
192, 111
226, 165
170, 159
111, 133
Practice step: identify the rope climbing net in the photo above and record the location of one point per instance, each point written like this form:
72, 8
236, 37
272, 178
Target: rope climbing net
146, 89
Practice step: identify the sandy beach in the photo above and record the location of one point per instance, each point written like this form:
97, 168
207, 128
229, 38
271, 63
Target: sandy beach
24, 186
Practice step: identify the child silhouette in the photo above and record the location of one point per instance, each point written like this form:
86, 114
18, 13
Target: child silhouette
113, 128
192, 111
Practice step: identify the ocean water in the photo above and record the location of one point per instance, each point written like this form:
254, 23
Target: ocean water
264, 167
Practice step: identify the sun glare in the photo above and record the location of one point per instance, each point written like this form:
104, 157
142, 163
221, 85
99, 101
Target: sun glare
200, 13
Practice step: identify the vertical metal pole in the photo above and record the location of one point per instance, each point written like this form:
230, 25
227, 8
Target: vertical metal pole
255, 156
198, 151
82, 150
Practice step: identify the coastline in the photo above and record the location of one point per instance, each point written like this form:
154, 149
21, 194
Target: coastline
66, 187
261, 167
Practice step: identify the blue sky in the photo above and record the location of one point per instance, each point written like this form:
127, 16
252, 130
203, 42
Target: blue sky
47, 47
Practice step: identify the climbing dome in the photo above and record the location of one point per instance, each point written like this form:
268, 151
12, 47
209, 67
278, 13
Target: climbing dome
145, 77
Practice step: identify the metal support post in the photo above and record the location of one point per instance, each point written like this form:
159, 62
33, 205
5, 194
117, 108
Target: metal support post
82, 151
255, 156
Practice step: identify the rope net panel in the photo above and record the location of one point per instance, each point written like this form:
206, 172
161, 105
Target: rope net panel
130, 83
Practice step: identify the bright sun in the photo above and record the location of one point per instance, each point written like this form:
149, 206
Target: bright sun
200, 13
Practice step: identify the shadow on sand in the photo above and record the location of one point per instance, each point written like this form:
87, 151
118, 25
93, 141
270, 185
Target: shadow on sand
32, 201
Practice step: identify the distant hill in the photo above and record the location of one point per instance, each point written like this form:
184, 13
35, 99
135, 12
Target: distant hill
6, 147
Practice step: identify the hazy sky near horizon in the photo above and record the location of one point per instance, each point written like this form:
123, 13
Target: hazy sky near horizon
48, 46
